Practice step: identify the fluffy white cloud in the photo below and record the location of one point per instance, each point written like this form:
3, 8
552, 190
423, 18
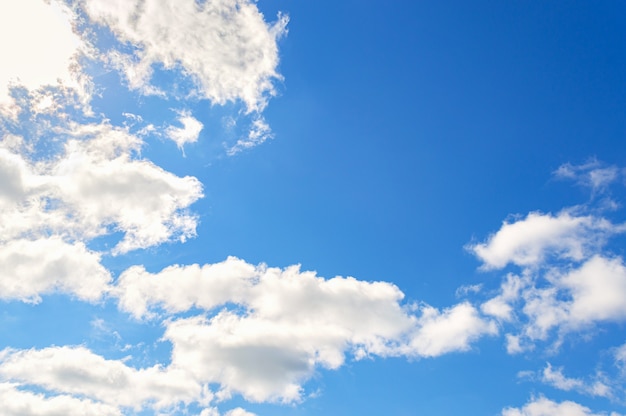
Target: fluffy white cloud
179, 288
188, 133
224, 46
294, 321
17, 402
562, 299
38, 48
451, 330
529, 241
289, 323
32, 268
577, 298
103, 185
598, 290
95, 186
566, 282
501, 306
239, 412
78, 371
545, 407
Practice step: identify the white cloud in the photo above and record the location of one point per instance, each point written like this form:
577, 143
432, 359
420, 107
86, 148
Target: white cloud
104, 185
239, 412
294, 321
224, 46
179, 288
565, 281
188, 133
233, 412
451, 330
578, 298
514, 344
17, 402
290, 322
598, 290
557, 379
259, 132
39, 48
592, 174
501, 306
564, 299
97, 185
542, 406
47, 265
620, 356
78, 371
528, 242
468, 289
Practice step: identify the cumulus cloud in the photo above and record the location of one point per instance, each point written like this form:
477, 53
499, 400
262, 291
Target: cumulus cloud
541, 406
233, 412
239, 412
451, 330
16, 402
567, 280
97, 185
290, 323
104, 185
47, 265
294, 321
224, 46
501, 306
79, 372
564, 299
179, 288
528, 242
577, 298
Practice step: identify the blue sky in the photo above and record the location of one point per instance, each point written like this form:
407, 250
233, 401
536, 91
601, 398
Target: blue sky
224, 207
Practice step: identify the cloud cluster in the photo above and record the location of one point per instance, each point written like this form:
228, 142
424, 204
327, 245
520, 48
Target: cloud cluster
94, 187
224, 46
567, 281
274, 329
292, 322
68, 177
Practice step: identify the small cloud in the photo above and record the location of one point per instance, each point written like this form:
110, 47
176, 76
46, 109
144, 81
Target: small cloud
594, 175
514, 345
188, 133
259, 132
531, 241
468, 289
597, 387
